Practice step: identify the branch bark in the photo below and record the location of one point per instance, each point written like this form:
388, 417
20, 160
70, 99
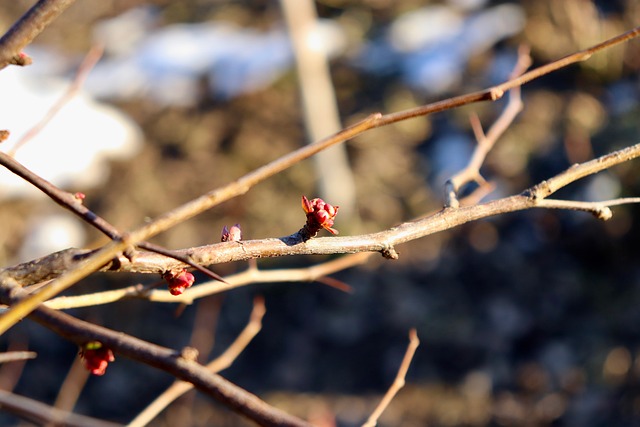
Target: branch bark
28, 27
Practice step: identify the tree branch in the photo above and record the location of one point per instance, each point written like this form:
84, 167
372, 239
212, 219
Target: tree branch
81, 332
399, 381
223, 361
383, 242
28, 27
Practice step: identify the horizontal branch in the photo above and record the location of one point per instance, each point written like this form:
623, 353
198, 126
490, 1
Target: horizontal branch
382, 241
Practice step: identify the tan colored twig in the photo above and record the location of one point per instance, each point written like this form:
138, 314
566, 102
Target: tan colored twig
89, 61
599, 209
485, 142
13, 356
438, 222
220, 363
72, 386
399, 381
250, 276
42, 414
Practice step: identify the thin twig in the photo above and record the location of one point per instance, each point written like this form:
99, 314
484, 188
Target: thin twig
28, 27
223, 361
90, 60
485, 142
13, 356
250, 276
598, 209
399, 381
72, 386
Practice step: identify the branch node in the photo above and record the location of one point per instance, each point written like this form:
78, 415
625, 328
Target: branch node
602, 213
389, 252
190, 354
450, 197
496, 93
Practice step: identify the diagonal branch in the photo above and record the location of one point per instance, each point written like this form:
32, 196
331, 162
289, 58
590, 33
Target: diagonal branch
81, 332
485, 142
223, 361
399, 381
28, 27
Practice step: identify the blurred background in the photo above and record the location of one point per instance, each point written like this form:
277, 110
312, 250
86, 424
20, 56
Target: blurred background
529, 318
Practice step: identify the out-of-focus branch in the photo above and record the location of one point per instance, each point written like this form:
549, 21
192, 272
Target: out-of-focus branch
90, 60
223, 361
398, 383
13, 356
247, 277
28, 27
321, 115
43, 414
175, 363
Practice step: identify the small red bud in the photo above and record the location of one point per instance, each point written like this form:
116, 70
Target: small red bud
179, 282
320, 214
96, 357
80, 196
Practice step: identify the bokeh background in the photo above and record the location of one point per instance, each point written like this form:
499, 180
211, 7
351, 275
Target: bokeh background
529, 318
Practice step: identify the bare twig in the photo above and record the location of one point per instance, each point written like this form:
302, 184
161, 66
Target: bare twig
42, 414
72, 385
599, 209
488, 140
250, 276
28, 27
399, 381
90, 60
223, 361
12, 356
442, 220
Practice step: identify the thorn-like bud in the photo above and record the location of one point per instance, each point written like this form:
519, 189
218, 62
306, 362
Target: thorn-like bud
234, 234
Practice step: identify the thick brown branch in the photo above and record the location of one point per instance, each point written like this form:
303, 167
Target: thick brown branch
81, 332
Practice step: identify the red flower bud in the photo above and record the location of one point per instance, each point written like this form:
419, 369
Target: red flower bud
179, 282
96, 357
320, 214
231, 235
